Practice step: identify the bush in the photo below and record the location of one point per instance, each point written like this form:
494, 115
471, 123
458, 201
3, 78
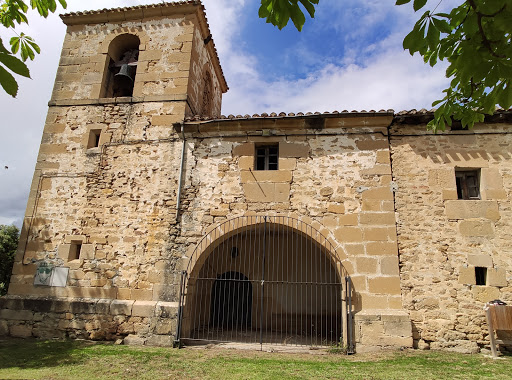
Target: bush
9, 237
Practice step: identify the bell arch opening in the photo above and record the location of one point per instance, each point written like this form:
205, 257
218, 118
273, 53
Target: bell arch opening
121, 66
267, 281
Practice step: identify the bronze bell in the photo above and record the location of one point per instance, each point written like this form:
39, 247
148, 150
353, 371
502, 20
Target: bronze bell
124, 72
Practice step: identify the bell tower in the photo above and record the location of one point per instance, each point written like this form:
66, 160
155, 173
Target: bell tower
101, 218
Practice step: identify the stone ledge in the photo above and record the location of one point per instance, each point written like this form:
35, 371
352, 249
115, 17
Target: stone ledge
122, 100
381, 315
144, 308
120, 307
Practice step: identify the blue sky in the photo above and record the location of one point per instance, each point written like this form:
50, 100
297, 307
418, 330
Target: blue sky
349, 57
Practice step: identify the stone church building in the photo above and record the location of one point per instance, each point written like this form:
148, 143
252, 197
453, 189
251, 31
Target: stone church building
156, 220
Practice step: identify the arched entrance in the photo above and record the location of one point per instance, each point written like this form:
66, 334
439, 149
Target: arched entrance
266, 280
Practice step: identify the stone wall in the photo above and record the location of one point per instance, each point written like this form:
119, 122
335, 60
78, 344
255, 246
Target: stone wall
122, 208
337, 179
115, 199
441, 239
137, 322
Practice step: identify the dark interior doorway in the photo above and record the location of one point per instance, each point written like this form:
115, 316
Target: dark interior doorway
231, 302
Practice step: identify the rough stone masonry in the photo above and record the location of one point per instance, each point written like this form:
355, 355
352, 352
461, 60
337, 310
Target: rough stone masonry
133, 177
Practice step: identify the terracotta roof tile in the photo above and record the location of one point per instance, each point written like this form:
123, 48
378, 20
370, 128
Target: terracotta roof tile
275, 115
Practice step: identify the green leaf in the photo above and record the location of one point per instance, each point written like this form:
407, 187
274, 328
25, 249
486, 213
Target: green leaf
263, 12
442, 25
14, 64
297, 17
309, 7
415, 40
505, 99
418, 4
401, 2
8, 82
15, 44
2, 47
27, 45
279, 12
432, 36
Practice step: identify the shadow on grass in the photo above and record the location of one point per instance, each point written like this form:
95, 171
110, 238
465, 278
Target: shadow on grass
33, 353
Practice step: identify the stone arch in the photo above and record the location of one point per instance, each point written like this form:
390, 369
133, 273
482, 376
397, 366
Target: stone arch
120, 70
300, 267
219, 232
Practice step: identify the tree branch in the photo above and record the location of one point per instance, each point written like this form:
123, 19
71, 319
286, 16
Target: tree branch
485, 41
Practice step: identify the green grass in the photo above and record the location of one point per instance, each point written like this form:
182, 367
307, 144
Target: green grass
35, 359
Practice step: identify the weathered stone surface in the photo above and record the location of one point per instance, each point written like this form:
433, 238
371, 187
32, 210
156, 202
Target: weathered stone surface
467, 209
486, 293
118, 307
497, 277
134, 340
384, 285
143, 308
480, 260
467, 275
4, 328
160, 340
476, 228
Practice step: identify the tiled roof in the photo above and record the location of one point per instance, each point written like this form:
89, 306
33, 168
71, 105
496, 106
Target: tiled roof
274, 115
139, 12
151, 9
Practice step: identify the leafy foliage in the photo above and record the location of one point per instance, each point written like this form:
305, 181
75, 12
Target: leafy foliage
9, 236
278, 12
13, 12
475, 38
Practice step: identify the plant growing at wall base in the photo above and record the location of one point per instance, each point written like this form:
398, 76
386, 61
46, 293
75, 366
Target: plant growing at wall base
9, 237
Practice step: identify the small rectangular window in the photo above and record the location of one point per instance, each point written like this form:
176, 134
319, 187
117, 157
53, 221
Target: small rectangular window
267, 157
74, 250
94, 138
481, 275
468, 183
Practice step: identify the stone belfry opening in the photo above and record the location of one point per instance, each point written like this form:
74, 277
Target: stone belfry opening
122, 59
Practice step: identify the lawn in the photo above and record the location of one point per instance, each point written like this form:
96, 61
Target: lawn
35, 359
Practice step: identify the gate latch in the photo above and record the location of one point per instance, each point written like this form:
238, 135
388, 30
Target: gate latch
262, 282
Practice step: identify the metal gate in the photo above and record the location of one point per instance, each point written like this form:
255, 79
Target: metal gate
265, 280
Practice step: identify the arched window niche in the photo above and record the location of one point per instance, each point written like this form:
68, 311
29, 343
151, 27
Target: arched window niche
206, 103
121, 66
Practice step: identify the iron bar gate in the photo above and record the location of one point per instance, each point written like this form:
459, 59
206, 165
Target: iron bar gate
266, 280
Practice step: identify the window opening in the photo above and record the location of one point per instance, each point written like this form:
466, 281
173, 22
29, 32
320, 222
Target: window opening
94, 138
267, 157
481, 275
468, 184
74, 251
